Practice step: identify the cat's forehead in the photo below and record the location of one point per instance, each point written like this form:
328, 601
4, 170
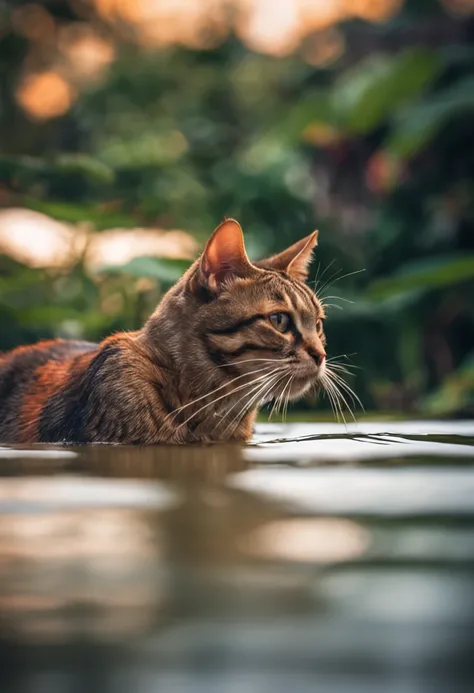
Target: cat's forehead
277, 292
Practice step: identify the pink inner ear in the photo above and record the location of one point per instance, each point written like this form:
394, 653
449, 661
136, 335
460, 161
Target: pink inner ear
225, 254
299, 266
296, 259
222, 255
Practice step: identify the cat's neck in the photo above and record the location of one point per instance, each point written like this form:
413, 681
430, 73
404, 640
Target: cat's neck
202, 398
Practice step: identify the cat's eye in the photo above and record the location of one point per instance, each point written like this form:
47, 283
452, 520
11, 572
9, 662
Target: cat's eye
319, 325
280, 321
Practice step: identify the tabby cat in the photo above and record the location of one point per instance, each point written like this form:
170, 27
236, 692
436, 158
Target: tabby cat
229, 336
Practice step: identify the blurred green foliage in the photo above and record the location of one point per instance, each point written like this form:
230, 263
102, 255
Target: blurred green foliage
376, 150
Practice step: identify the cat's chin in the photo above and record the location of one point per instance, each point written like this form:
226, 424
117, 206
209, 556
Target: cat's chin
298, 388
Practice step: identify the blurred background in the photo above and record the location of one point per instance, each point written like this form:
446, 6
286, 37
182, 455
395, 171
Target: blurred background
129, 128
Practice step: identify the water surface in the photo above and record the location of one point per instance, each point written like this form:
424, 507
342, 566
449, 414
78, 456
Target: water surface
316, 559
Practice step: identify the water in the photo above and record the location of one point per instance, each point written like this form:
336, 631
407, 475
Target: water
314, 560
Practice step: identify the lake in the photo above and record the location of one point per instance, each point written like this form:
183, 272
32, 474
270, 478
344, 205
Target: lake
319, 558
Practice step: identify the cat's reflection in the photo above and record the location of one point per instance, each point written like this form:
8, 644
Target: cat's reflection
134, 537
127, 539
176, 463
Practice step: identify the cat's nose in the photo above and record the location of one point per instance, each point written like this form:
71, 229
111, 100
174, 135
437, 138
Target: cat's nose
318, 356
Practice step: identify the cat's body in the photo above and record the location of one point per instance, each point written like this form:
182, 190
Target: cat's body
76, 392
229, 335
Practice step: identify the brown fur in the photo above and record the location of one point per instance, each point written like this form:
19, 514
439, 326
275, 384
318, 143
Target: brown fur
186, 376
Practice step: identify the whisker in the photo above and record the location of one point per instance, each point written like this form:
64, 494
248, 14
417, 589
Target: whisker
340, 356
329, 395
331, 305
339, 298
257, 388
286, 404
328, 282
227, 394
338, 279
208, 394
283, 399
261, 390
340, 396
344, 364
276, 402
345, 386
237, 363
335, 382
320, 279
343, 369
330, 388
272, 385
337, 397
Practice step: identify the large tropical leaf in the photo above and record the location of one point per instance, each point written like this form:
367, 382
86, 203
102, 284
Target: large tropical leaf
366, 95
415, 126
425, 274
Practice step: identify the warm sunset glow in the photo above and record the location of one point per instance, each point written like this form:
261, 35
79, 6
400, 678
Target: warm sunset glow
79, 54
276, 28
45, 95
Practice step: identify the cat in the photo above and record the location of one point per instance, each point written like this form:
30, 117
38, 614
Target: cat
229, 336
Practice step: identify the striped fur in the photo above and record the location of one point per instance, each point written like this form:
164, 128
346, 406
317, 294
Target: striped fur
197, 371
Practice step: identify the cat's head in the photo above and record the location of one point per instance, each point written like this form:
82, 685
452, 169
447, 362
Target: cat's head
258, 319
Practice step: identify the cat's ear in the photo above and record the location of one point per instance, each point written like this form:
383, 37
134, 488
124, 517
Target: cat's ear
296, 259
224, 256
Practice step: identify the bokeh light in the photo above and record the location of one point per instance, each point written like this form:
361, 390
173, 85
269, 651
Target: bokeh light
75, 53
36, 240
45, 95
87, 53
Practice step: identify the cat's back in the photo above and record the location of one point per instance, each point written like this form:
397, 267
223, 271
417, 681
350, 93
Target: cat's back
20, 370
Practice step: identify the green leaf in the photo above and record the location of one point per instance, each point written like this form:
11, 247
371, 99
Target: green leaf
46, 315
367, 95
62, 164
414, 127
21, 165
167, 270
426, 274
456, 393
279, 140
75, 213
92, 169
